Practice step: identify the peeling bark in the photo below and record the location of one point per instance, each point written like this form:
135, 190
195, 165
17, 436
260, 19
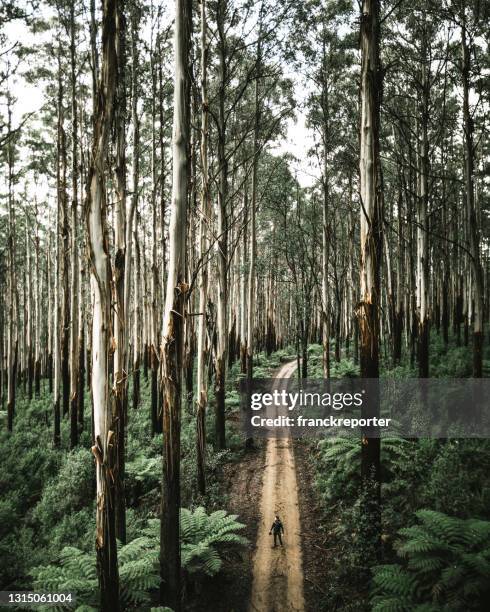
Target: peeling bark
105, 429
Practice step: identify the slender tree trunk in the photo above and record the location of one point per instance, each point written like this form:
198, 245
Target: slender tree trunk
222, 241
206, 216
28, 314
49, 277
37, 315
56, 335
74, 347
120, 315
371, 193
155, 283
137, 344
253, 228
11, 343
325, 224
398, 317
131, 221
61, 196
65, 256
105, 448
472, 222
422, 230
243, 289
173, 320
81, 355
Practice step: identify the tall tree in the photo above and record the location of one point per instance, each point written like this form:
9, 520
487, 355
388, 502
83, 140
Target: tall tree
120, 315
74, 289
253, 210
204, 225
174, 313
471, 214
371, 195
105, 429
12, 315
222, 227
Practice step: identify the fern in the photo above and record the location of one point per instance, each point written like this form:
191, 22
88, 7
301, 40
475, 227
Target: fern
446, 566
201, 535
202, 538
342, 460
145, 469
73, 572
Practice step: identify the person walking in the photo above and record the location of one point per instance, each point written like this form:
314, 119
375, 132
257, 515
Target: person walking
277, 529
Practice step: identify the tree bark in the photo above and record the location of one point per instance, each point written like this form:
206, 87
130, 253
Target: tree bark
105, 429
473, 233
253, 228
12, 319
74, 347
120, 315
135, 19
371, 194
222, 241
422, 224
205, 221
173, 320
325, 222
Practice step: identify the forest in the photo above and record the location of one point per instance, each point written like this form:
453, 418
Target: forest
195, 194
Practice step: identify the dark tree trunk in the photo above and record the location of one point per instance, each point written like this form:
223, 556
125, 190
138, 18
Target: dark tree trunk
371, 188
156, 422
81, 382
136, 385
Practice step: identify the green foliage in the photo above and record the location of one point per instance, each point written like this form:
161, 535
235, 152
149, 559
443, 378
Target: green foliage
345, 368
459, 479
28, 462
145, 469
69, 490
203, 538
232, 399
450, 361
74, 571
341, 459
446, 566
138, 570
201, 534
456, 363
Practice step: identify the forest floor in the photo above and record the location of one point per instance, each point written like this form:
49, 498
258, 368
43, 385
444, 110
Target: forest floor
316, 551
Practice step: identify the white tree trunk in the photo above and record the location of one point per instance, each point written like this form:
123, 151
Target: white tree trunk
205, 223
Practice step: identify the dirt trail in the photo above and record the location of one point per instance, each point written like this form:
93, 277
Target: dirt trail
277, 572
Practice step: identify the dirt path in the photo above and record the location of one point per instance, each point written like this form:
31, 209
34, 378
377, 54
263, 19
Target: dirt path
277, 572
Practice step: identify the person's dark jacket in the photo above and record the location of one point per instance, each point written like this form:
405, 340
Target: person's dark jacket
277, 527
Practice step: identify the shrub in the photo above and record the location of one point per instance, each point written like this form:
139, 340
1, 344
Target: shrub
202, 537
446, 567
69, 490
342, 460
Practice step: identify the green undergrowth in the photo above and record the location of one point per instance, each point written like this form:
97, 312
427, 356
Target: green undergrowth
204, 540
435, 507
47, 495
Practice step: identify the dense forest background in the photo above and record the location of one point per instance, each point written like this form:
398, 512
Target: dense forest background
160, 241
